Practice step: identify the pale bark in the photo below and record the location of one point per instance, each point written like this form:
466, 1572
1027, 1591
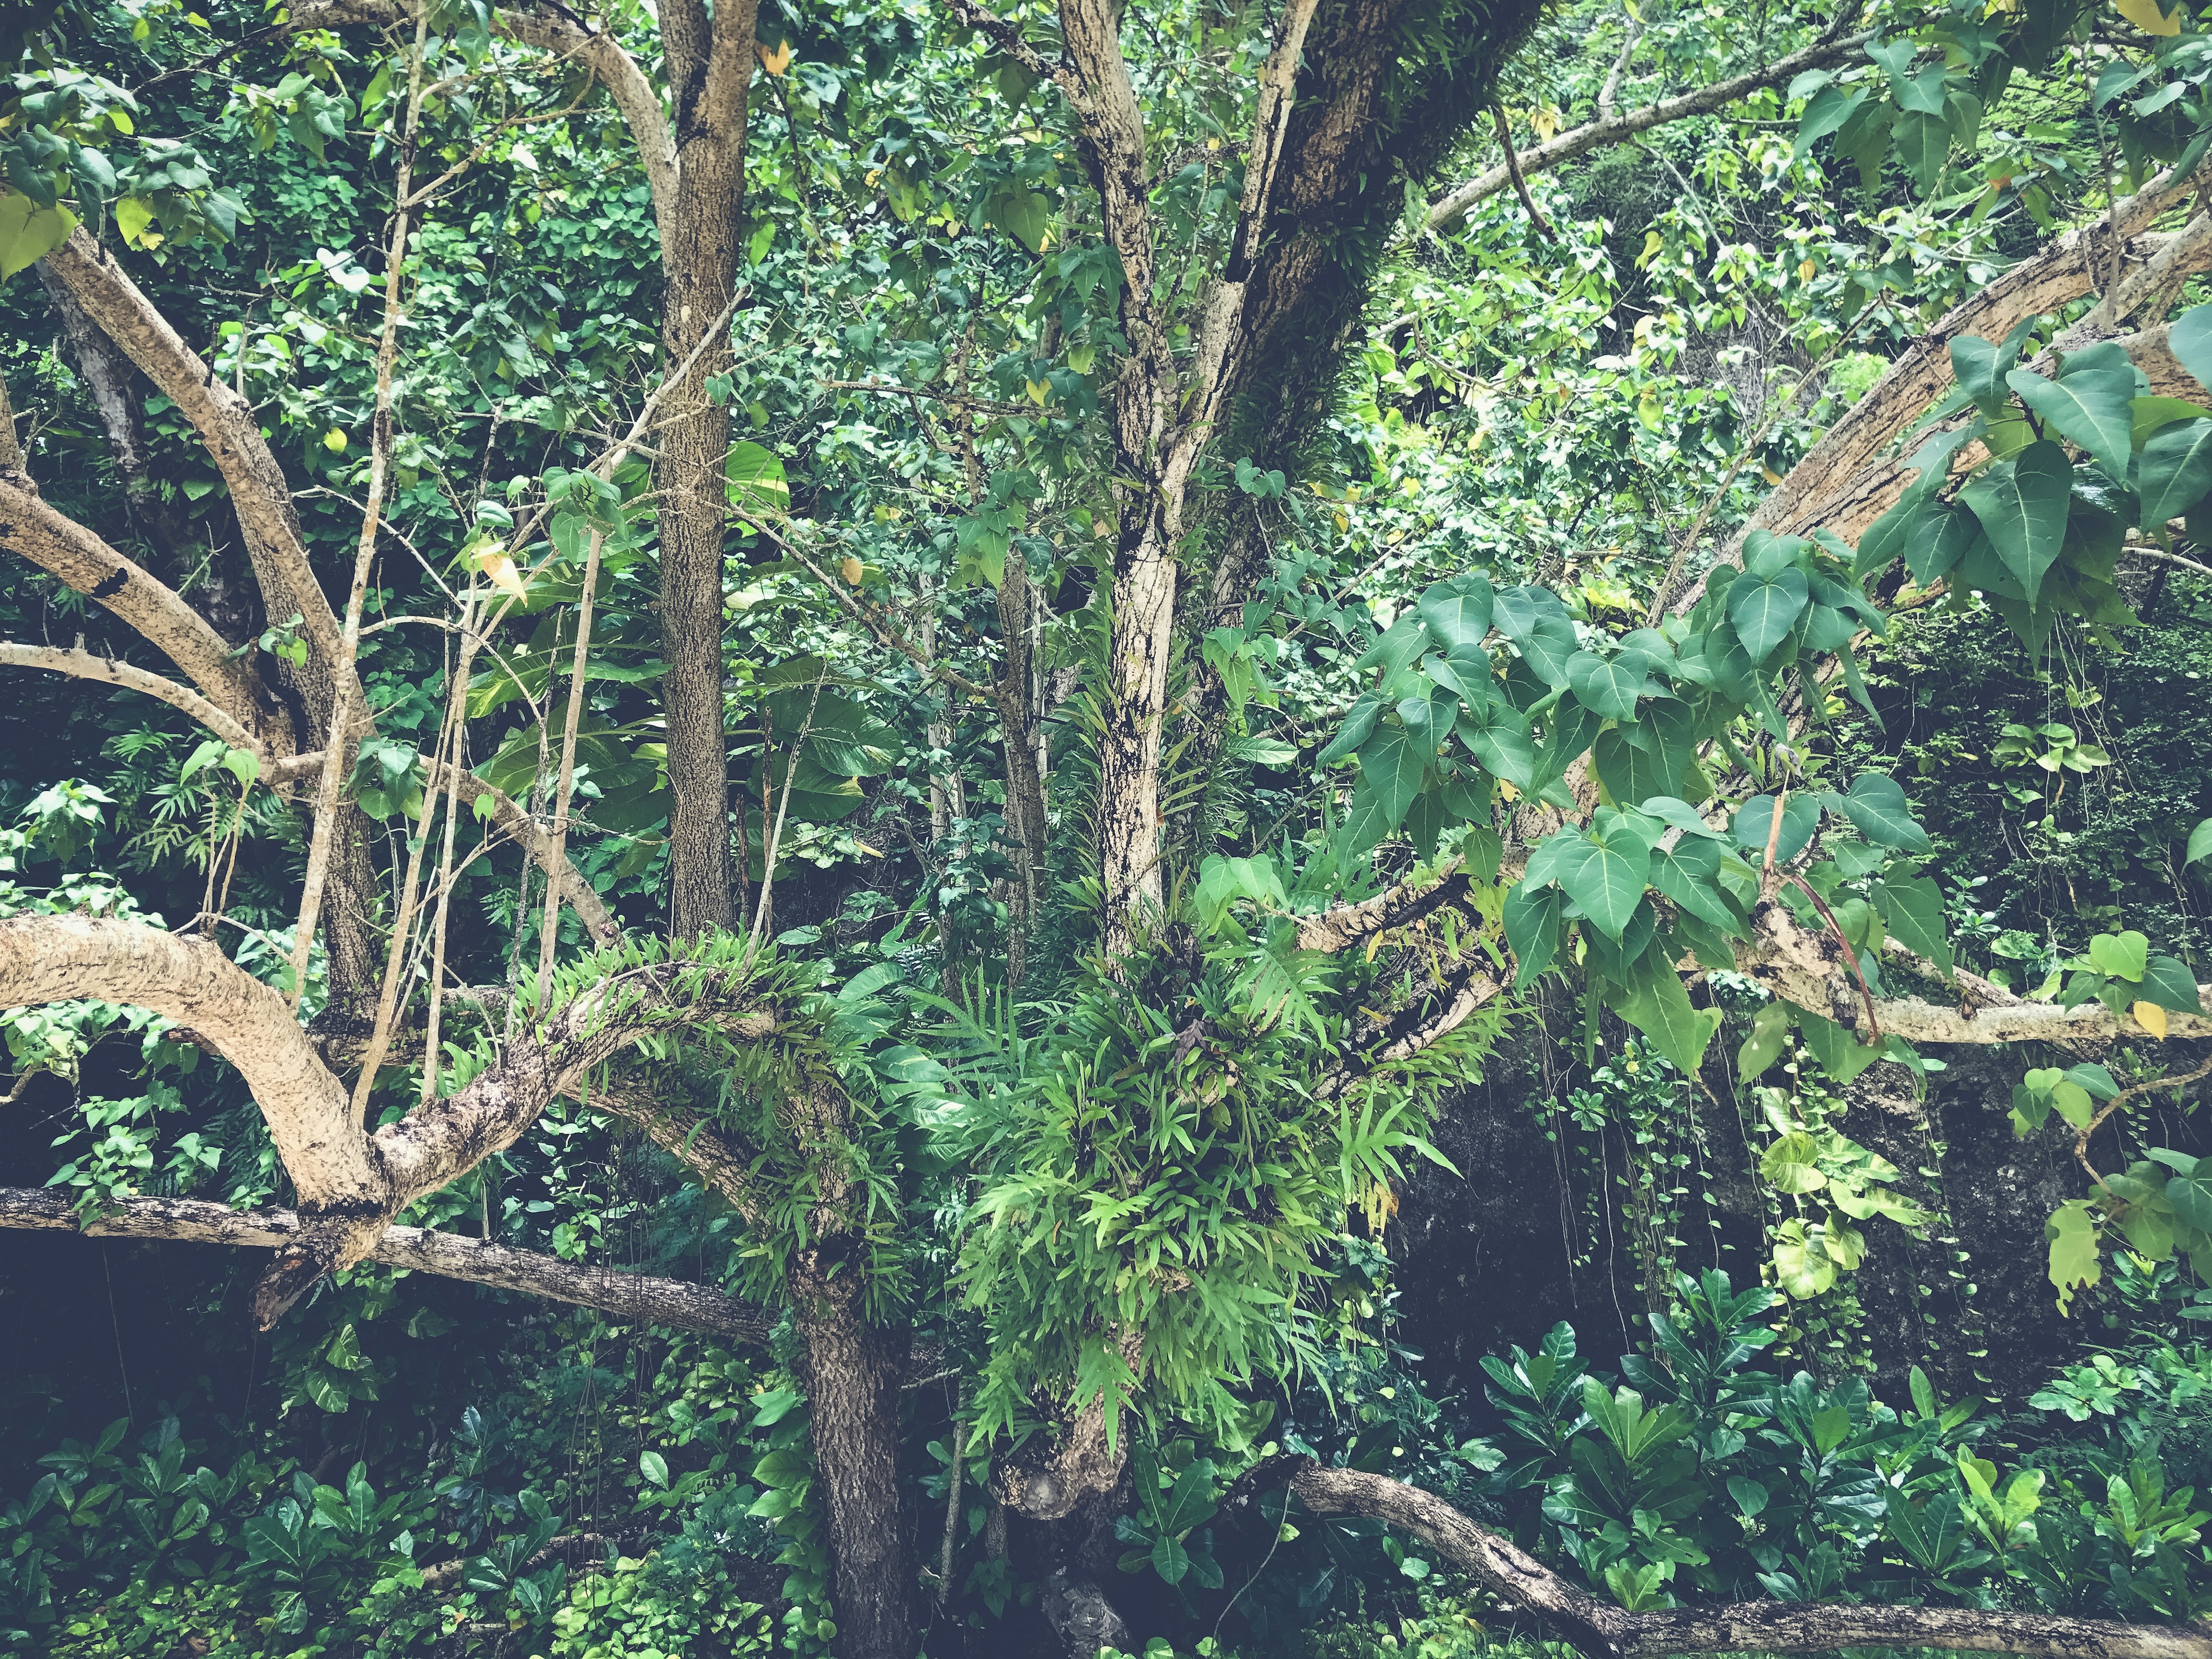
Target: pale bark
1603, 1630
633, 1297
80, 664
67, 550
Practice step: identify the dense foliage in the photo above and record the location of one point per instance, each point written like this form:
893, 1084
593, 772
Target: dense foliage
1055, 1187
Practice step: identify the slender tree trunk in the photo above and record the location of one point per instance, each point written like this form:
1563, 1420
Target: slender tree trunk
1017, 610
854, 1371
1129, 817
709, 65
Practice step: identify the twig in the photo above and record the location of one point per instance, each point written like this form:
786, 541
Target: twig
566, 787
1513, 172
2081, 1140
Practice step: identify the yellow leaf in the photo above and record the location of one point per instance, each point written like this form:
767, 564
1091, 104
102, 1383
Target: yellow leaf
1547, 122
1039, 391
1508, 790
1652, 243
1807, 272
777, 60
1768, 473
334, 441
2151, 1017
2146, 16
495, 565
850, 570
134, 219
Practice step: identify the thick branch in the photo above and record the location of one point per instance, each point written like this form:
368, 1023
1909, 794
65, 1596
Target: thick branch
1613, 128
1602, 1630
1346, 926
228, 426
66, 549
633, 1297
60, 958
80, 664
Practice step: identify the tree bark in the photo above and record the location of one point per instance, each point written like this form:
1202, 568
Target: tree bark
709, 63
853, 1373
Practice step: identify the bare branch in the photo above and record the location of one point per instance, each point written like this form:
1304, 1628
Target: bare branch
1603, 1630
1613, 128
80, 664
634, 1297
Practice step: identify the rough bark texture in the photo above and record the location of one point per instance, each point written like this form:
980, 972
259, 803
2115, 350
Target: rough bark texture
708, 65
854, 1372
629, 1297
1601, 1630
113, 384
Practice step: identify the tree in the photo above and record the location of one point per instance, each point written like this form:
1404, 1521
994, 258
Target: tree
1636, 805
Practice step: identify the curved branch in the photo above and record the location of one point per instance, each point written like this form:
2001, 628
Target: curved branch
225, 424
80, 664
61, 959
633, 1297
1603, 1630
1612, 128
64, 549
1345, 925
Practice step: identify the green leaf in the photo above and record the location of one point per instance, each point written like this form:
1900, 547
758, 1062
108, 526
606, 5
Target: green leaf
654, 1468
2076, 1263
1764, 609
2200, 838
1457, 612
1358, 726
1769, 1030
28, 232
1912, 910
1532, 926
1657, 1005
1979, 370
1938, 539
2190, 339
1688, 873
2022, 504
1498, 736
1923, 139
2168, 982
1170, 1559
756, 480
1841, 1054
1754, 820
1605, 876
2120, 955
1879, 810
1391, 764
2089, 405
2189, 1195
2174, 471
1827, 110
1607, 687
1548, 647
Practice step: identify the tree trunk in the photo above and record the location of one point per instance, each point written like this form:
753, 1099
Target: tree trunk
1025, 822
854, 1371
708, 67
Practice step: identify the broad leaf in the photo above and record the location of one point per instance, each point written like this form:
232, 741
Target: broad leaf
1606, 877
2174, 471
1607, 687
1391, 763
1533, 925
1879, 810
1688, 873
1498, 736
2089, 405
1657, 1004
1764, 609
1754, 820
2190, 339
1457, 612
1912, 909
2022, 504
2168, 983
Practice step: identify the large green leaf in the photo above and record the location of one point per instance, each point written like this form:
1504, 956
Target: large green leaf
1938, 539
1548, 647
756, 480
2022, 504
1391, 763
1605, 876
2174, 471
1532, 926
1358, 726
1979, 370
1764, 609
1688, 872
1754, 820
2167, 982
1923, 139
2089, 405
1457, 612
1912, 909
1499, 736
2190, 341
1879, 810
1657, 1004
1607, 686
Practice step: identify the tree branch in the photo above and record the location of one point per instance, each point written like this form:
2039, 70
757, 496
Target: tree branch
633, 1297
1612, 128
80, 664
1603, 1630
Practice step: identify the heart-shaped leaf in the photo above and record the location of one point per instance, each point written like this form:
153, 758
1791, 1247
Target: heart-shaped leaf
1606, 877
1457, 612
1764, 609
2022, 505
2089, 405
2174, 471
1607, 686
